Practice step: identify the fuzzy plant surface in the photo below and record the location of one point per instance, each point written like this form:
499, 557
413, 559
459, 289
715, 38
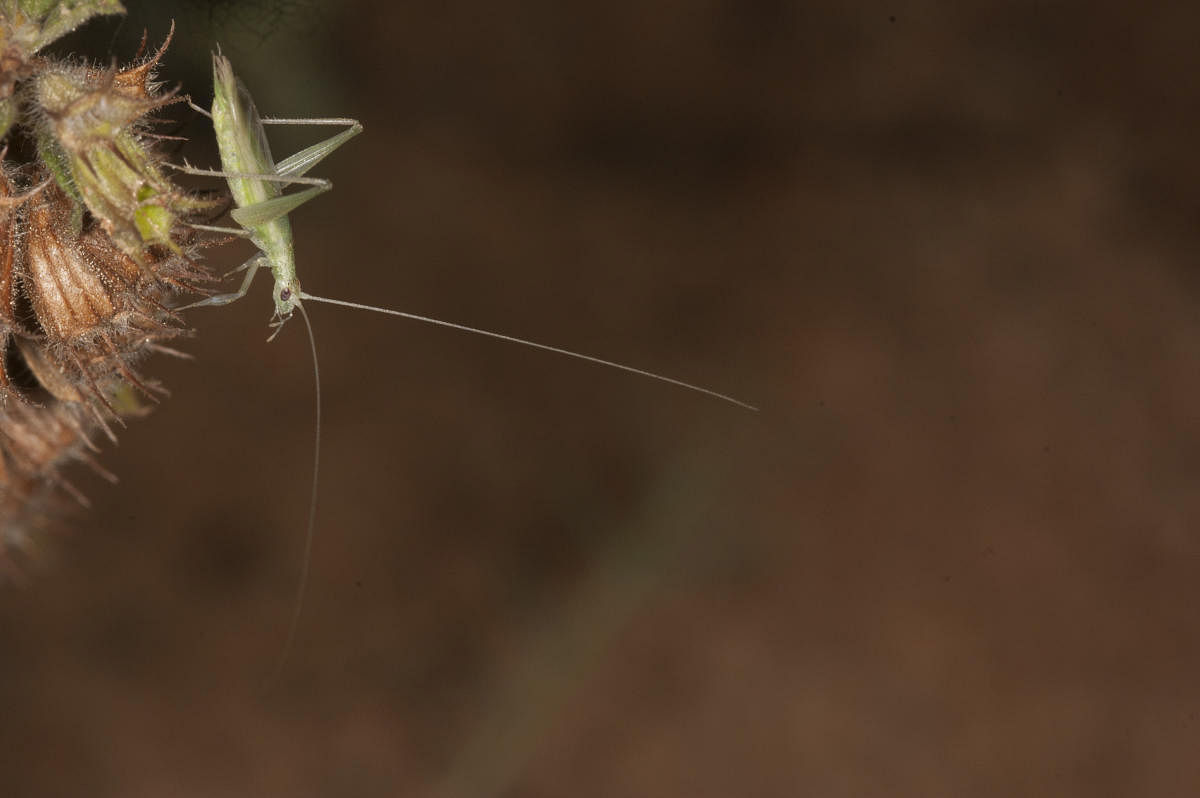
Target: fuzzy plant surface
95, 247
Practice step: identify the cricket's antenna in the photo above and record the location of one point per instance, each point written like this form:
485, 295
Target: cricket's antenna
535, 345
294, 624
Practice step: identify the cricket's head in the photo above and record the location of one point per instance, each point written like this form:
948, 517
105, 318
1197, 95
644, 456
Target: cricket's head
287, 298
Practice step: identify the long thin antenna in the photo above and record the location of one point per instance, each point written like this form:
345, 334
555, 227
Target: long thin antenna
301, 589
535, 345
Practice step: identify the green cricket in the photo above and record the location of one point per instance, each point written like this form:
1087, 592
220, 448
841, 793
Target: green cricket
256, 184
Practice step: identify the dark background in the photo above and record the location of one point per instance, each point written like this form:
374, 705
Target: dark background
949, 248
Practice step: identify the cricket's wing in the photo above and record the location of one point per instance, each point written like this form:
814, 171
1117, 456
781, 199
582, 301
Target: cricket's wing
240, 134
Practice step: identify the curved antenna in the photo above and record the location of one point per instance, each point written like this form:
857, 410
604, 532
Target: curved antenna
302, 588
545, 347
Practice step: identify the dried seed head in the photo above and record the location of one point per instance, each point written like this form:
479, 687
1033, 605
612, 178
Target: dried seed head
90, 313
99, 310
69, 295
38, 433
89, 257
76, 314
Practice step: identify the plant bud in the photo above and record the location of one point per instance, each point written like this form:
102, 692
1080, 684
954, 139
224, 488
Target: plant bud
93, 142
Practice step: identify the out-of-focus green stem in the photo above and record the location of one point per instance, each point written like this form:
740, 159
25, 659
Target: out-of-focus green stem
30, 25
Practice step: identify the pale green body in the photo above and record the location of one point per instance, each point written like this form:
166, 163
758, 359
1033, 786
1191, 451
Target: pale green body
256, 183
242, 142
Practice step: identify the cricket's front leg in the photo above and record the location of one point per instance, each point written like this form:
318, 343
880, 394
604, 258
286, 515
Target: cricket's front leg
251, 266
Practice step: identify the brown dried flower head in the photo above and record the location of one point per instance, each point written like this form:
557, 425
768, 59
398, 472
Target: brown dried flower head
98, 309
38, 432
94, 244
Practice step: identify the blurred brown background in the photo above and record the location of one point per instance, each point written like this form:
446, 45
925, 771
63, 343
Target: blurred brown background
949, 248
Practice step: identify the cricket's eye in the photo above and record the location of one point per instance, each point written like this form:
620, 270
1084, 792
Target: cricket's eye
285, 294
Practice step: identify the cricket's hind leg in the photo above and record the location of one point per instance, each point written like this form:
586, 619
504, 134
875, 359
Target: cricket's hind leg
299, 163
267, 211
